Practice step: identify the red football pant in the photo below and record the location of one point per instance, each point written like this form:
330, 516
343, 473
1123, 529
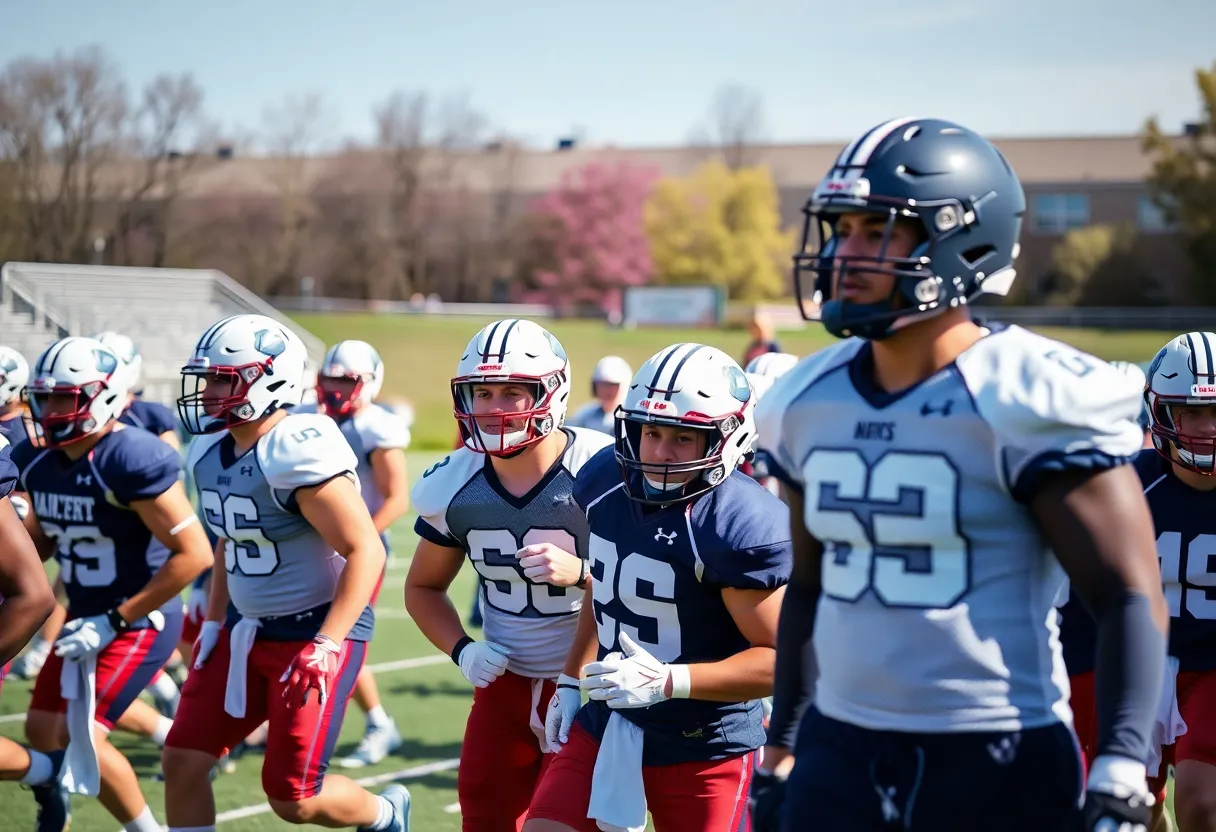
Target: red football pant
124, 668
300, 740
684, 797
501, 759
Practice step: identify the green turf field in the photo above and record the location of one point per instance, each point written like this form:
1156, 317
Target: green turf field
421, 351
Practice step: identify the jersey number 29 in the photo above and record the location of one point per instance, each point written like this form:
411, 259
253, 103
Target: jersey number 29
891, 526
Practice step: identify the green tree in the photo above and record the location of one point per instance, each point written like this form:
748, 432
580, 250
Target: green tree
1183, 184
722, 227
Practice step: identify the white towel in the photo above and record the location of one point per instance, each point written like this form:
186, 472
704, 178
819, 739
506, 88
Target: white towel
1169, 725
81, 773
618, 793
240, 642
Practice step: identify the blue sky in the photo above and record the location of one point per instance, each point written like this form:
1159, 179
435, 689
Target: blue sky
637, 73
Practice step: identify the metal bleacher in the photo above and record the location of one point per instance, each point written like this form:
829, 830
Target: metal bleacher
163, 310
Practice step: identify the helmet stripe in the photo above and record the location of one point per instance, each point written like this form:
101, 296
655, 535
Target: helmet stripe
1207, 354
654, 382
870, 141
489, 343
51, 357
502, 348
671, 385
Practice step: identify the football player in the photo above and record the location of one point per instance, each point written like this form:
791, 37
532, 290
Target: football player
504, 501
26, 600
139, 412
157, 419
288, 616
1179, 480
762, 371
14, 375
107, 501
932, 470
688, 560
608, 382
350, 379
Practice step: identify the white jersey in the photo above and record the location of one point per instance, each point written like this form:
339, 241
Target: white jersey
373, 428
593, 417
277, 562
937, 609
461, 504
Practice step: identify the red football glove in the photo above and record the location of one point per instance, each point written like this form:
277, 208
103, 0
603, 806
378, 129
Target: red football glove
313, 667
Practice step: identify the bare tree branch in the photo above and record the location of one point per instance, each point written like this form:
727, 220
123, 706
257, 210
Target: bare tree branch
733, 125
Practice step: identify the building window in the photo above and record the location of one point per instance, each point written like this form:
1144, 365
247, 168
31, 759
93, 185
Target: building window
1150, 217
1059, 213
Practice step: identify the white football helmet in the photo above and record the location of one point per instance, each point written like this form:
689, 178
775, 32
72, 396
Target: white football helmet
611, 369
243, 368
128, 354
350, 373
521, 352
14, 375
77, 387
1183, 375
690, 386
766, 368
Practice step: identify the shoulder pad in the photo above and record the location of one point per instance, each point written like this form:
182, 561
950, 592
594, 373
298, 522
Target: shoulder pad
379, 427
304, 449
584, 444
439, 484
1044, 398
199, 445
772, 407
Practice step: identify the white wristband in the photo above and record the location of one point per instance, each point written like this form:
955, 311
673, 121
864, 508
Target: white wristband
681, 684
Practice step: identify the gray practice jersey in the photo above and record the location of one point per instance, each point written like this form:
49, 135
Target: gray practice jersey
277, 563
373, 428
937, 609
462, 505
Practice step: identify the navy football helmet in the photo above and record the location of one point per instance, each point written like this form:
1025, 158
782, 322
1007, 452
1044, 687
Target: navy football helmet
961, 193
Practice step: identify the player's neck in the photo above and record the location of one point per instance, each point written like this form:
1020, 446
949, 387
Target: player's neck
247, 435
1199, 482
10, 410
518, 474
78, 449
911, 355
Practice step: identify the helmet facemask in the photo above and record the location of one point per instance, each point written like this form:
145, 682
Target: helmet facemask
339, 395
1184, 432
505, 433
217, 398
63, 414
660, 483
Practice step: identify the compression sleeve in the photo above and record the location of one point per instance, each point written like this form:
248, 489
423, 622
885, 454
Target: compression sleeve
1127, 676
797, 670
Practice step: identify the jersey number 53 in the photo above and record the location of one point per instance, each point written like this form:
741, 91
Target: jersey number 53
891, 527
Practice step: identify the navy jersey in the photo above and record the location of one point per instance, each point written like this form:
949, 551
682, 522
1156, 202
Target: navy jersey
1185, 523
13, 428
153, 417
658, 575
105, 552
8, 471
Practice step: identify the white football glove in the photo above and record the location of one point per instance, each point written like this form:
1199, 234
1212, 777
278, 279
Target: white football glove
20, 505
1117, 798
84, 637
635, 679
562, 709
208, 637
196, 604
482, 662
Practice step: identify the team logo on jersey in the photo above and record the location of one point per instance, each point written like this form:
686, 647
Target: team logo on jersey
670, 538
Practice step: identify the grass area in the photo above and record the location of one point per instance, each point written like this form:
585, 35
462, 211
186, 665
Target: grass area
430, 704
421, 352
